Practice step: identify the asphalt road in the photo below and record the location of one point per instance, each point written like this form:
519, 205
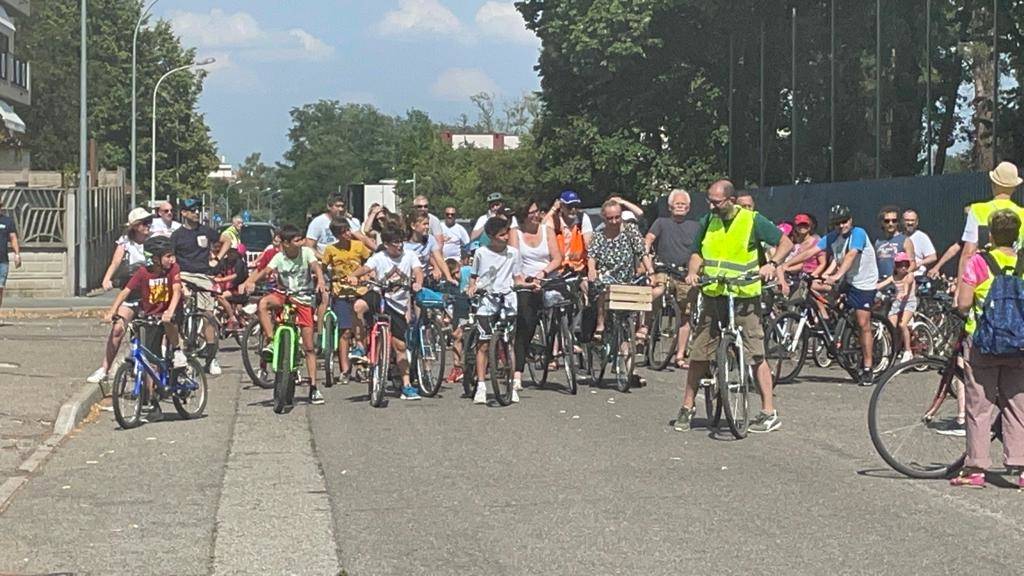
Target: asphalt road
593, 484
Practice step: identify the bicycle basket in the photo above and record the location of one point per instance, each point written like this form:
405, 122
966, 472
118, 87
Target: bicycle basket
629, 297
427, 298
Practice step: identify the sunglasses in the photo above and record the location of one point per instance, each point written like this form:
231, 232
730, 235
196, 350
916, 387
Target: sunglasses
891, 220
421, 206
450, 215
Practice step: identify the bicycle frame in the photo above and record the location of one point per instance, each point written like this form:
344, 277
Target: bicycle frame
285, 324
149, 364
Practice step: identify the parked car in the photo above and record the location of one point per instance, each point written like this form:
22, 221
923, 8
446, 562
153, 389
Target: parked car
256, 236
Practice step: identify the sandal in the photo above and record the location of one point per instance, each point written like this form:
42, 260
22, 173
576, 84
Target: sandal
641, 334
681, 363
968, 479
598, 335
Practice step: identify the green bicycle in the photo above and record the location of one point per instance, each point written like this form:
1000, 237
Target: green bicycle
287, 355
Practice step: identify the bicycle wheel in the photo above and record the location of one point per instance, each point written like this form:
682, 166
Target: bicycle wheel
379, 370
923, 340
500, 367
536, 351
328, 346
127, 397
431, 355
283, 373
469, 342
712, 405
190, 393
256, 366
664, 337
819, 352
910, 416
624, 358
883, 343
733, 386
785, 348
567, 345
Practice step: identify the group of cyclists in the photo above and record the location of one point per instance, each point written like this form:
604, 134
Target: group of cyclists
396, 264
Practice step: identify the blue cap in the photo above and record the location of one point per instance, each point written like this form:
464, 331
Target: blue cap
190, 204
569, 197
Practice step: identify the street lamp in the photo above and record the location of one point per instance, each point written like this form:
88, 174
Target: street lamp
135, 38
152, 183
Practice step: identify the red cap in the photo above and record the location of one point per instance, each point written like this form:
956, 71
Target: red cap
802, 219
902, 257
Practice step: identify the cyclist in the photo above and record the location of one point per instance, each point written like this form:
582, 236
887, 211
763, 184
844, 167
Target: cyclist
1005, 181
854, 272
495, 207
192, 244
992, 382
231, 237
297, 271
891, 243
342, 259
497, 268
426, 248
924, 250
728, 245
673, 238
745, 199
157, 286
164, 224
230, 273
804, 238
394, 265
616, 254
454, 237
538, 251
318, 233
421, 205
573, 230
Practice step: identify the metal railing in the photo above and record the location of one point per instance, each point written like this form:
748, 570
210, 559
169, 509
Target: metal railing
39, 215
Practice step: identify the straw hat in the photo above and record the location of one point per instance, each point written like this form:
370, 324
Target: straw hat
138, 215
1005, 176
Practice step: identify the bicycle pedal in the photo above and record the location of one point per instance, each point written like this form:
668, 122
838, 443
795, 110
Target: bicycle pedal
707, 382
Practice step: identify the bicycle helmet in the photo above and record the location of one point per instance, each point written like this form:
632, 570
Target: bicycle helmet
157, 246
839, 213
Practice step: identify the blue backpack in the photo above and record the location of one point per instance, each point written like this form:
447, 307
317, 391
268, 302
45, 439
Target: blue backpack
1000, 330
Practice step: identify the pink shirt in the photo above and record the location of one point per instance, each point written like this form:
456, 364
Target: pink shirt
811, 265
976, 271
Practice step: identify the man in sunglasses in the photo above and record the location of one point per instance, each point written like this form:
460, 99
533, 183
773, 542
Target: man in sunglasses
455, 236
164, 224
421, 205
891, 243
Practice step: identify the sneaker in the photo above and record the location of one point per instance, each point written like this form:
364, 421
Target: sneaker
155, 414
268, 353
410, 393
765, 422
953, 428
357, 354
179, 361
683, 419
907, 356
98, 376
315, 396
867, 377
515, 396
455, 375
214, 369
481, 393
968, 479
516, 386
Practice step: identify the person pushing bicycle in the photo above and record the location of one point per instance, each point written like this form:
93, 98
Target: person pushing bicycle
727, 246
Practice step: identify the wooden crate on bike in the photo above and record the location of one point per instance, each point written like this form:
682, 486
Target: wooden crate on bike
630, 297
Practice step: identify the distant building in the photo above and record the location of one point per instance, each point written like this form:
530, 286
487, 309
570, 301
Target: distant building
224, 171
482, 141
15, 87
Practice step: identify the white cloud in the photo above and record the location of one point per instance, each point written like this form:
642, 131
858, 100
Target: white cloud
501, 20
458, 84
244, 34
419, 16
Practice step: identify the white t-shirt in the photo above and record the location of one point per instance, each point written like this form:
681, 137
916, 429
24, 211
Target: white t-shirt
586, 226
495, 272
159, 228
320, 230
923, 248
455, 239
483, 220
535, 258
134, 252
422, 251
435, 225
293, 273
385, 269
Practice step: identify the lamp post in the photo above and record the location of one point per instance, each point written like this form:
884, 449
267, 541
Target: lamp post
83, 158
152, 183
135, 39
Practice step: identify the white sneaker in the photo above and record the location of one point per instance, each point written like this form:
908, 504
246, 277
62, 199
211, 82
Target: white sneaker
515, 396
517, 385
907, 356
481, 394
215, 368
180, 361
98, 376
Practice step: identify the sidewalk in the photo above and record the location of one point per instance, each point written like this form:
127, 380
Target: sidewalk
74, 307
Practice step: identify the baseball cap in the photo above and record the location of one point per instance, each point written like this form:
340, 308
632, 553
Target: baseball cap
191, 204
569, 197
802, 219
495, 197
902, 257
785, 227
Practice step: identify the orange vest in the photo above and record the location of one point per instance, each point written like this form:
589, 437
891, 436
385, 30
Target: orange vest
574, 250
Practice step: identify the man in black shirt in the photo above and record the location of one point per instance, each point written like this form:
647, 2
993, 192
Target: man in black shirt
192, 245
8, 234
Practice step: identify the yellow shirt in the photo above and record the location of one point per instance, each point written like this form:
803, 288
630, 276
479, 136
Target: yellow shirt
342, 263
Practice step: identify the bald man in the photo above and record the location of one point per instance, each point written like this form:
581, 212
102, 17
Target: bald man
164, 224
421, 205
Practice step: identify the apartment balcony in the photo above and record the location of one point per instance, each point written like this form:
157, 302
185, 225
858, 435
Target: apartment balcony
15, 79
22, 7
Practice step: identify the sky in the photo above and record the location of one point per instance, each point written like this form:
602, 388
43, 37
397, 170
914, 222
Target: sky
273, 56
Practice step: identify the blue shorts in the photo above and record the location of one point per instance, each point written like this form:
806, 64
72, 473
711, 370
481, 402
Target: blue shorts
343, 313
860, 299
4, 269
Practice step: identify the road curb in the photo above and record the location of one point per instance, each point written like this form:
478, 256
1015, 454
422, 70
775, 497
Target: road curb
34, 313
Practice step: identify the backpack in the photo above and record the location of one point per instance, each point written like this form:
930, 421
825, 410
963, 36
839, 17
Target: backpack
1000, 329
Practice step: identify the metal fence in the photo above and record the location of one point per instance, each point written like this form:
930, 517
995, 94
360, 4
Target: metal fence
38, 215
107, 212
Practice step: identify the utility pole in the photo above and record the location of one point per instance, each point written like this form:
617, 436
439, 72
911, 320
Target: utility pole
83, 157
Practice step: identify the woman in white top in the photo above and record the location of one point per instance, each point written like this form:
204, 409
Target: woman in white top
539, 252
128, 257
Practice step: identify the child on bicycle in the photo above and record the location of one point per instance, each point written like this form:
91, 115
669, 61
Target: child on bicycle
298, 272
400, 270
342, 259
497, 268
158, 286
904, 302
229, 274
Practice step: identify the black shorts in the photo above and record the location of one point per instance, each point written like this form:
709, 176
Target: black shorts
399, 326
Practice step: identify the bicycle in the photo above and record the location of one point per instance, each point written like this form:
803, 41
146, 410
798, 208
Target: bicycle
787, 340
287, 355
193, 324
500, 357
187, 389
427, 343
666, 320
617, 347
380, 344
557, 325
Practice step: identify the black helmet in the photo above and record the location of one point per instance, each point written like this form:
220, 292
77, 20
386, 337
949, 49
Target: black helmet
839, 213
157, 246
191, 204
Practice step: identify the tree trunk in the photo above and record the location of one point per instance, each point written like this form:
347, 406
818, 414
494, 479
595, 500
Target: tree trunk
944, 139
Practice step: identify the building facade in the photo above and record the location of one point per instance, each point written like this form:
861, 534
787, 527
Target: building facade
15, 87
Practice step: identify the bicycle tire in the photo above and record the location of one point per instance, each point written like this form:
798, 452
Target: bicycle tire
129, 415
568, 347
379, 371
500, 366
283, 373
256, 366
786, 356
733, 386
430, 356
190, 403
663, 342
819, 352
712, 406
469, 341
625, 360
536, 352
883, 333
923, 340
329, 340
909, 443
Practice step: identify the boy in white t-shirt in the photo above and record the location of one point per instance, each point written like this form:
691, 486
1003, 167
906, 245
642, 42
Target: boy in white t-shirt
394, 265
497, 268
